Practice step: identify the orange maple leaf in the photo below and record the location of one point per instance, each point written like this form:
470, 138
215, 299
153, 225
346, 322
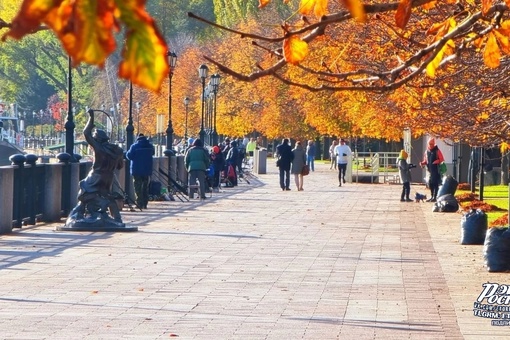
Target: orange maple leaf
294, 50
486, 5
263, 3
502, 40
491, 53
356, 8
319, 7
403, 13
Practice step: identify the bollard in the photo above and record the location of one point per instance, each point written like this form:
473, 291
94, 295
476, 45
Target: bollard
19, 161
66, 180
6, 199
31, 188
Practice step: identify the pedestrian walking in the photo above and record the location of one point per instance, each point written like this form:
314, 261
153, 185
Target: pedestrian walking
343, 154
332, 156
196, 162
284, 155
140, 154
298, 162
310, 155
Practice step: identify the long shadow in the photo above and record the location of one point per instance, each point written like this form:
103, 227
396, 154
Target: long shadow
32, 246
201, 234
404, 326
35, 246
156, 212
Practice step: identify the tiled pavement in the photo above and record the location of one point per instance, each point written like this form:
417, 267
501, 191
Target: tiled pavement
253, 262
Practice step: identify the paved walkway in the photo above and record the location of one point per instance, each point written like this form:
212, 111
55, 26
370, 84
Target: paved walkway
253, 262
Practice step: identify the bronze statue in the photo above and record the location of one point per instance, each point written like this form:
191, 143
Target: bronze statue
95, 197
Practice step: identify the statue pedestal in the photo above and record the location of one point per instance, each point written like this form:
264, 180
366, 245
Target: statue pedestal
105, 225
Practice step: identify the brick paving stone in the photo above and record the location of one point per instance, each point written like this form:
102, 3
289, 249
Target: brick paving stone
253, 262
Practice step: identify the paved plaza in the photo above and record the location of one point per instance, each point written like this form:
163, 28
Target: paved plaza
253, 262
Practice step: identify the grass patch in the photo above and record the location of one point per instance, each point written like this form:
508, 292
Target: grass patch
495, 202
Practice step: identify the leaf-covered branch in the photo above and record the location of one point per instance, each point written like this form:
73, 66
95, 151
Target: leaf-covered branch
430, 56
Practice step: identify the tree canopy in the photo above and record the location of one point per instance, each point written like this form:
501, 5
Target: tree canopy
298, 68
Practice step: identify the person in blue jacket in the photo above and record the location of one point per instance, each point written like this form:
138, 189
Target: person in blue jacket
140, 154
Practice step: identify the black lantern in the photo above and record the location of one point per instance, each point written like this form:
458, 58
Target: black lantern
172, 61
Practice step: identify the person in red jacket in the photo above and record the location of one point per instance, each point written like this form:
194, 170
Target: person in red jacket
431, 159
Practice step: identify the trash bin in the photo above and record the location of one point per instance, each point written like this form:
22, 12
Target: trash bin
260, 161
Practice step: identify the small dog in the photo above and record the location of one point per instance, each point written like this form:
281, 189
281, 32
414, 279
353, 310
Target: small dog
420, 197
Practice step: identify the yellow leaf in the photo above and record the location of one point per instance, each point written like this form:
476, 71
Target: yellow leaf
319, 7
504, 147
483, 116
491, 53
357, 9
403, 13
306, 6
294, 50
434, 64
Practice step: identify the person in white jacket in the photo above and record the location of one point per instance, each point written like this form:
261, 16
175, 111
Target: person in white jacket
343, 153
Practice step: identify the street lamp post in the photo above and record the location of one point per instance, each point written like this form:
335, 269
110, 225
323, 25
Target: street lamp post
215, 81
207, 126
129, 127
172, 61
186, 103
69, 126
202, 73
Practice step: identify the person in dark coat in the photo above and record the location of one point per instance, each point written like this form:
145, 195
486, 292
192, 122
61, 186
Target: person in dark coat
285, 157
218, 162
197, 161
140, 154
431, 160
231, 159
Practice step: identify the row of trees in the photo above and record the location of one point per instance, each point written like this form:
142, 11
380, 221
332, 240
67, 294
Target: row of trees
437, 67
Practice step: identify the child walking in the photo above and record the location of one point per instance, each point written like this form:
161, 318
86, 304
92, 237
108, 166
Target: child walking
405, 175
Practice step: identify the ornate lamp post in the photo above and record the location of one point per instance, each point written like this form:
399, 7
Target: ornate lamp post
172, 61
129, 127
186, 103
202, 73
69, 126
215, 81
207, 126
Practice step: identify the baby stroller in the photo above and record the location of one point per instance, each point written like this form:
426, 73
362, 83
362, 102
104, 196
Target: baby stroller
228, 176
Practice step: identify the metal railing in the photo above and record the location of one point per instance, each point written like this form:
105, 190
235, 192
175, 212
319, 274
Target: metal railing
377, 165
